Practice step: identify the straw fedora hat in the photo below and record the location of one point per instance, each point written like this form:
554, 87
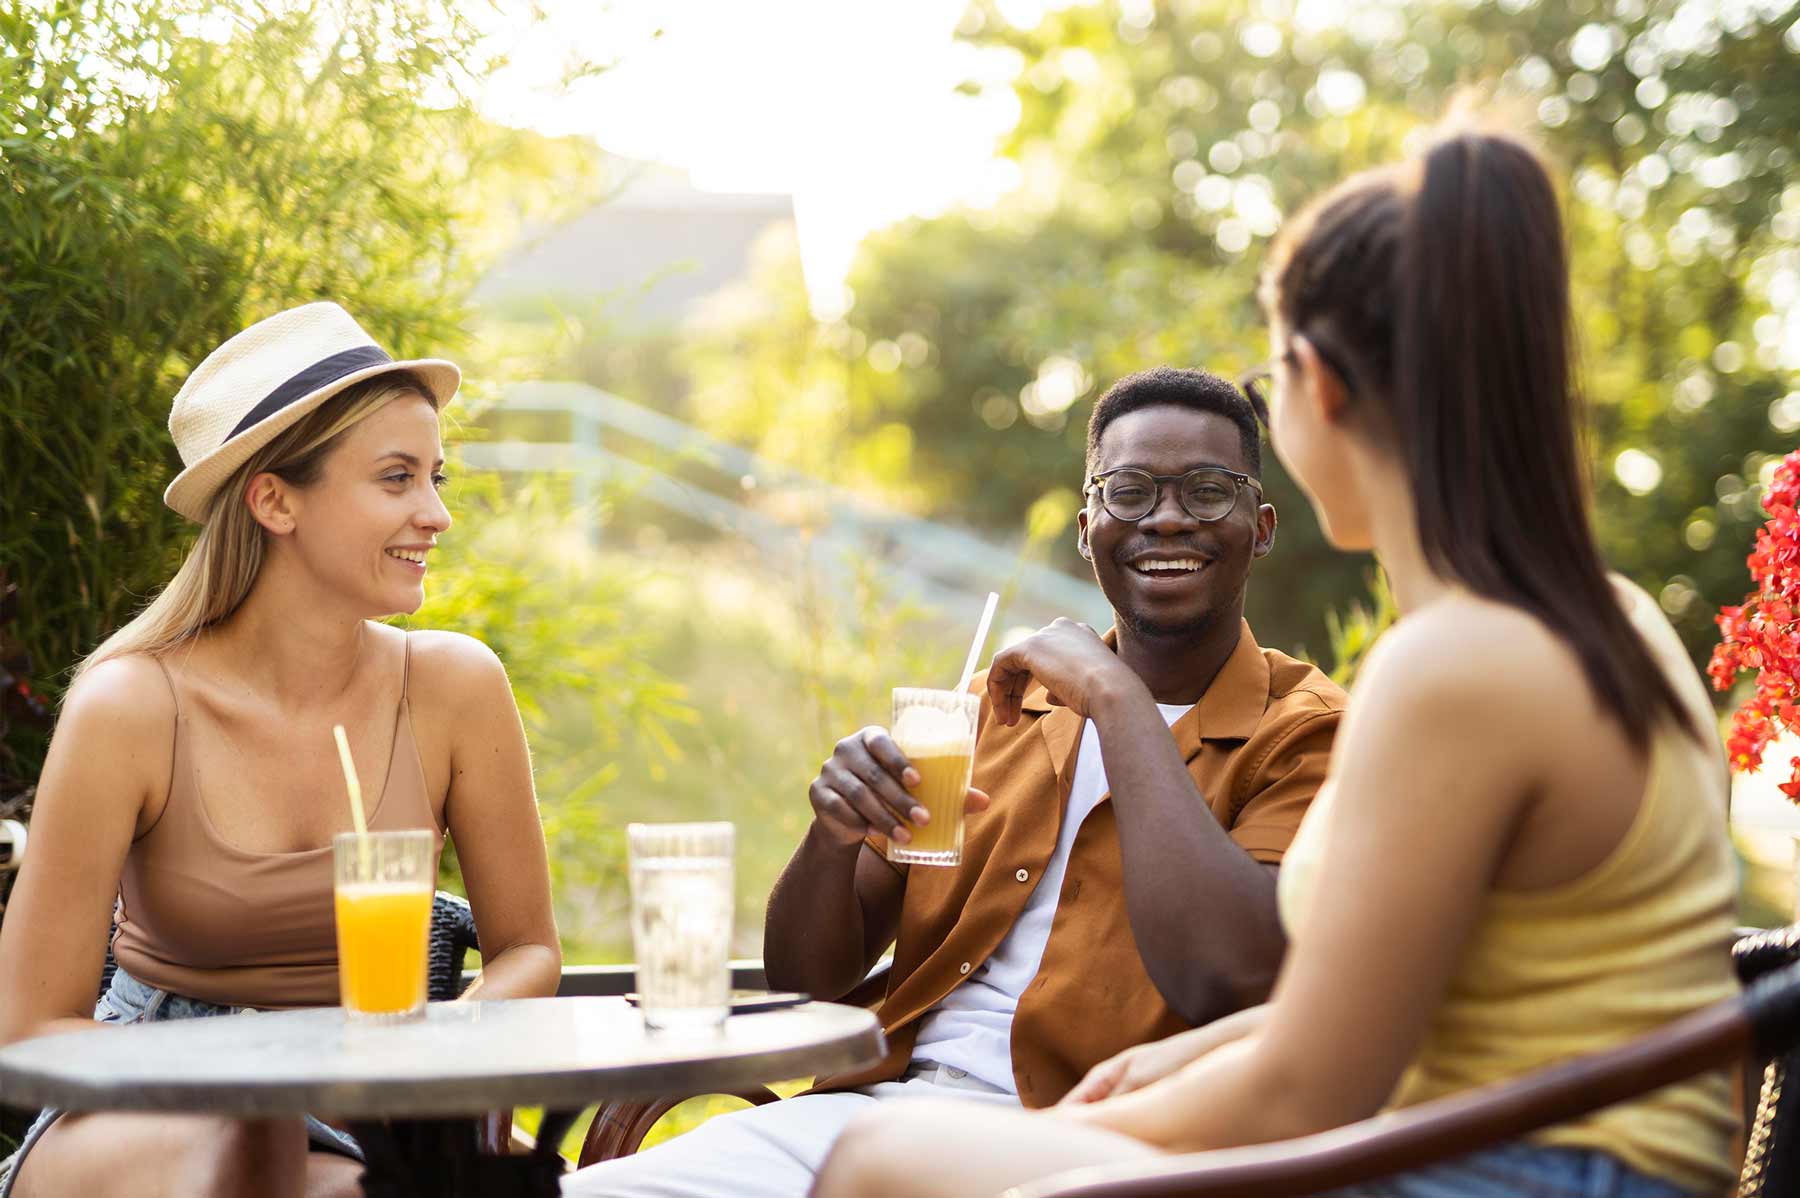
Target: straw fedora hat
263, 380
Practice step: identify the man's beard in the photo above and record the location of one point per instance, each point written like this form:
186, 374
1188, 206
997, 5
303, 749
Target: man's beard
1146, 629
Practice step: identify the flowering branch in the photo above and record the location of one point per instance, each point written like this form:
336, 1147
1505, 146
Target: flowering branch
1763, 633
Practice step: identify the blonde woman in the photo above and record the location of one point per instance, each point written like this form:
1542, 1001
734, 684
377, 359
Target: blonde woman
1519, 854
192, 790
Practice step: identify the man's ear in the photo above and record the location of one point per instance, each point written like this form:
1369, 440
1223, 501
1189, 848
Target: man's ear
1265, 531
1081, 544
1319, 383
271, 502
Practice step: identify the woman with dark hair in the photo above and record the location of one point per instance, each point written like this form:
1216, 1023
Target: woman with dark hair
1520, 854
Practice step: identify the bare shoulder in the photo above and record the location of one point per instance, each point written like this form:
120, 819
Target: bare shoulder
455, 668
126, 696
437, 647
1466, 654
1467, 694
125, 705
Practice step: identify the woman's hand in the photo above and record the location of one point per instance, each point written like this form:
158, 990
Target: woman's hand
1142, 1064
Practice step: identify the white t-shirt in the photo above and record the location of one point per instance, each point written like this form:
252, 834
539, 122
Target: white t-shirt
971, 1029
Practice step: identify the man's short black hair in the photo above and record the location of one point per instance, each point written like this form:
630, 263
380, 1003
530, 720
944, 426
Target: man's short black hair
1170, 386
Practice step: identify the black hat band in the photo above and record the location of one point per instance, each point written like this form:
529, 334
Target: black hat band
322, 373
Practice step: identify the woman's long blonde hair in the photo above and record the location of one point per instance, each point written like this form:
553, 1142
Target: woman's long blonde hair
216, 576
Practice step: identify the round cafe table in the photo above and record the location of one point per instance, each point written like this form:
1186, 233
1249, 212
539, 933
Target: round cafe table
412, 1093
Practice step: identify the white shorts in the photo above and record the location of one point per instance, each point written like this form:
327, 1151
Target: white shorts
771, 1151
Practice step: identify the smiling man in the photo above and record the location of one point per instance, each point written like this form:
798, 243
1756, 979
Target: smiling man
1133, 796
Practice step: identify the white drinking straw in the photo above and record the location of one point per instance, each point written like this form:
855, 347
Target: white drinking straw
981, 631
356, 807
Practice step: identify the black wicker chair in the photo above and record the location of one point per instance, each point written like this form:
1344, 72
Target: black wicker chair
452, 936
1771, 1152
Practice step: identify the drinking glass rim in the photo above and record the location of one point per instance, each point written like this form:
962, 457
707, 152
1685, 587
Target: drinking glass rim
704, 825
383, 834
958, 697
697, 839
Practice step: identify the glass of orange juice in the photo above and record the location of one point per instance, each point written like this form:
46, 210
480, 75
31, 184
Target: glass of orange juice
384, 886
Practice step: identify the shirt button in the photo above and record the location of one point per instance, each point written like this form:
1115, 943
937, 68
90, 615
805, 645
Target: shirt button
1023, 875
963, 968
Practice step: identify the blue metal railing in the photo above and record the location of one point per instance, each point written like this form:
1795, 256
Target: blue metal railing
727, 488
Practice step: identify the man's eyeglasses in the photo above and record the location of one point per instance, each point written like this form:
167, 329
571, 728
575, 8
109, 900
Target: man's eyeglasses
1206, 494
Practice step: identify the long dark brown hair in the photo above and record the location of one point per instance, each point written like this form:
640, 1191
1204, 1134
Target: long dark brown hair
1440, 286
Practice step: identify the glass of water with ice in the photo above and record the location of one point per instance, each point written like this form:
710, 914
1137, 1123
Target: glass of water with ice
681, 909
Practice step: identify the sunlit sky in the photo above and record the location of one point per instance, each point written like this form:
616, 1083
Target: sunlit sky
850, 106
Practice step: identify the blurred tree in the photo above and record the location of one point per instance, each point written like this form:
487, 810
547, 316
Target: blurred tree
169, 173
516, 573
1158, 146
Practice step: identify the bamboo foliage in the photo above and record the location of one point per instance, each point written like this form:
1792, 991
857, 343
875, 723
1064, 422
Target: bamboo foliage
170, 173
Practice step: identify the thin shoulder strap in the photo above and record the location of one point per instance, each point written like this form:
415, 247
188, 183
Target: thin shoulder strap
174, 732
405, 664
169, 679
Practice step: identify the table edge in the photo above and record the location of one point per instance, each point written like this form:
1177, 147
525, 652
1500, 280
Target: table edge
413, 1098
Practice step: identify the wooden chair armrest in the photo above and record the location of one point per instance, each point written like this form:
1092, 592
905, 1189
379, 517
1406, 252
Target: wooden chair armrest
619, 1127
1428, 1133
495, 1134
872, 989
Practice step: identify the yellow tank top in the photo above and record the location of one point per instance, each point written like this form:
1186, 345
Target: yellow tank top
1640, 940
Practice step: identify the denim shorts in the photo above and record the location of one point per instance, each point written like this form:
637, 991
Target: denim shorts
1522, 1170
127, 1001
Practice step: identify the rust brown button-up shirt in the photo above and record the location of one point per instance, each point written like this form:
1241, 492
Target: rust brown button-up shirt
1256, 746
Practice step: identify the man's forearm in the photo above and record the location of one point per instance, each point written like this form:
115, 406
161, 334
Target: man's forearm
813, 934
1202, 911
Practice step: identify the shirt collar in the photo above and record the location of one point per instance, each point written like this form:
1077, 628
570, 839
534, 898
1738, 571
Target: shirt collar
1229, 710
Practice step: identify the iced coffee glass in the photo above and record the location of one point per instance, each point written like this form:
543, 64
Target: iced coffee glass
935, 729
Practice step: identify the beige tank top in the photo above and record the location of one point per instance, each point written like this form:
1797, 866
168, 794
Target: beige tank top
201, 917
1639, 941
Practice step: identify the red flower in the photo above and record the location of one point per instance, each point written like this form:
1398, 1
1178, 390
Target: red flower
1763, 633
